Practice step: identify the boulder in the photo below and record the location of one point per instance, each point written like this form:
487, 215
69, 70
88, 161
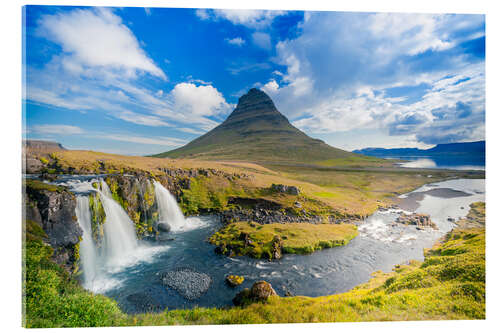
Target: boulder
32, 165
234, 280
277, 245
260, 292
285, 189
163, 227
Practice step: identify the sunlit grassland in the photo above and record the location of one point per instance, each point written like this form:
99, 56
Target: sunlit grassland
350, 190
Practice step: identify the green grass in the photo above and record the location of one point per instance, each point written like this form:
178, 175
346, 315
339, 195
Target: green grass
298, 238
51, 298
449, 284
41, 186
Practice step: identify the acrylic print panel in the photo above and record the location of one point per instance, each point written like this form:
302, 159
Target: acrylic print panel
207, 166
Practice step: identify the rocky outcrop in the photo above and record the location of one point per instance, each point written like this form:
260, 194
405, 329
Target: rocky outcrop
276, 247
32, 165
293, 190
267, 216
419, 220
260, 292
53, 208
189, 283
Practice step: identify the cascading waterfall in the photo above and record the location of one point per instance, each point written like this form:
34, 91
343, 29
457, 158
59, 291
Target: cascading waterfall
120, 239
120, 247
168, 209
88, 251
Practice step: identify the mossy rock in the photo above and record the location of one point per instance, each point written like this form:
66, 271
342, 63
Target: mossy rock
234, 280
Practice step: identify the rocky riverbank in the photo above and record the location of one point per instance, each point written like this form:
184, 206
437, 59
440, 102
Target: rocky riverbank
53, 209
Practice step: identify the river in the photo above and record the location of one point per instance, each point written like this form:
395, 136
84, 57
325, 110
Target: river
136, 284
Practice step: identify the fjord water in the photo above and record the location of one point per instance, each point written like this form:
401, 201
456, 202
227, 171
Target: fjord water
458, 162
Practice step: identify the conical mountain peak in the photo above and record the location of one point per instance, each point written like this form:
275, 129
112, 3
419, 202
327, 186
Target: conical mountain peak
257, 131
253, 104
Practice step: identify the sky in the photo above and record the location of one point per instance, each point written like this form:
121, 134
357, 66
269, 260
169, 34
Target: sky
139, 81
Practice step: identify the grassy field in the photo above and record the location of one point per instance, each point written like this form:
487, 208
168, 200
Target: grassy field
298, 238
349, 188
448, 284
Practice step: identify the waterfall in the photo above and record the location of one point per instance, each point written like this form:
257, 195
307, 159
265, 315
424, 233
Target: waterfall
120, 239
169, 211
88, 252
120, 247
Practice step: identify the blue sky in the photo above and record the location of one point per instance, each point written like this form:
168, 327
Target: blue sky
146, 80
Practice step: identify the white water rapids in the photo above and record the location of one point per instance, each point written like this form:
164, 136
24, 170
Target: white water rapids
120, 247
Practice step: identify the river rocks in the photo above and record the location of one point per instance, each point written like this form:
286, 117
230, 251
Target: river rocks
260, 292
189, 283
263, 216
419, 220
276, 247
234, 280
163, 227
144, 302
293, 190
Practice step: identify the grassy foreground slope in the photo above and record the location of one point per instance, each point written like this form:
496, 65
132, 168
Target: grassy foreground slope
449, 284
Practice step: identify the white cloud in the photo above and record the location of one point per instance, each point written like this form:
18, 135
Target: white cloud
238, 41
141, 119
252, 18
203, 13
240, 67
57, 129
262, 40
340, 65
189, 130
198, 100
160, 140
271, 87
409, 33
97, 38
43, 96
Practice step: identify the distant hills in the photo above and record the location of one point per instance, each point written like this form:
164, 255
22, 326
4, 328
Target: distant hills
462, 148
257, 131
42, 145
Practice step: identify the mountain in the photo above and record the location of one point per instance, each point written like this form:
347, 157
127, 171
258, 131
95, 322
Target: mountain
257, 131
461, 148
42, 145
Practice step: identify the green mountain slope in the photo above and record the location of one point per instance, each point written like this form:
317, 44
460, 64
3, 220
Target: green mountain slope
257, 131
